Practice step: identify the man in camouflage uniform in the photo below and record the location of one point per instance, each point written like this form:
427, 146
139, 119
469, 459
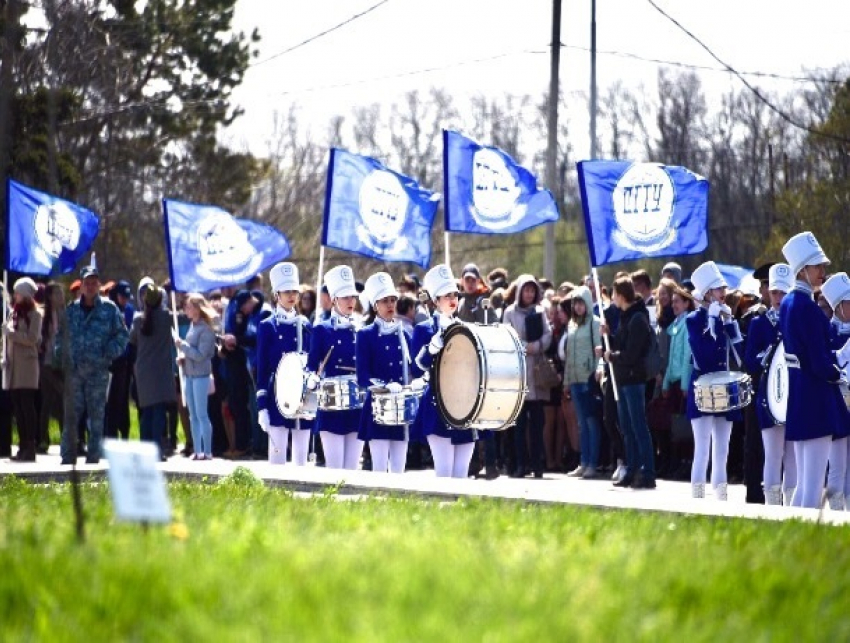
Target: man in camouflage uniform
93, 336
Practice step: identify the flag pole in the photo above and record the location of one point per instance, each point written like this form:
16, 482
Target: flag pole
177, 334
320, 275
447, 259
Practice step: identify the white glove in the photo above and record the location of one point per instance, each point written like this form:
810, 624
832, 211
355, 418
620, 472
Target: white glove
265, 422
714, 309
436, 344
418, 384
312, 382
725, 310
843, 354
394, 387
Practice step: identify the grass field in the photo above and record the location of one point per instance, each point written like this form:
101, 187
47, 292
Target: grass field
246, 563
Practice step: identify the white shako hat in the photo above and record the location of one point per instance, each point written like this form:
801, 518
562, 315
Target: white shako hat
803, 250
340, 282
284, 276
439, 281
706, 277
780, 277
836, 289
378, 286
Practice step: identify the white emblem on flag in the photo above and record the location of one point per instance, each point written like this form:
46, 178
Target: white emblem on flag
383, 211
224, 248
643, 208
495, 191
56, 228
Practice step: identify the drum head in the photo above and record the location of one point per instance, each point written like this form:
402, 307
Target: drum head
458, 376
289, 383
777, 385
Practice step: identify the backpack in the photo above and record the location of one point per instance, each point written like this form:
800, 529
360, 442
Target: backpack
652, 359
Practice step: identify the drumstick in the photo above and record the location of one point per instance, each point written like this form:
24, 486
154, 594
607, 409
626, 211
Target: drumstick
324, 362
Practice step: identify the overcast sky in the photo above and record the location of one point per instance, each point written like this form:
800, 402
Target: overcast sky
341, 69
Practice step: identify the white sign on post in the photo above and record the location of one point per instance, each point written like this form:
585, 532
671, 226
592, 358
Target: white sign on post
136, 483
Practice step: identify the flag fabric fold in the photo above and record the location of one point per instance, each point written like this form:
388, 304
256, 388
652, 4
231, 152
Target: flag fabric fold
209, 248
487, 192
642, 210
45, 234
376, 212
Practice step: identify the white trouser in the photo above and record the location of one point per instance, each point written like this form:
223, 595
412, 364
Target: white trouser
778, 454
812, 458
450, 460
711, 432
341, 451
388, 454
278, 439
837, 481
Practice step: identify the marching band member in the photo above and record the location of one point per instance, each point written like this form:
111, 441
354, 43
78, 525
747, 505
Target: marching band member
451, 448
383, 355
836, 290
712, 332
763, 334
814, 400
277, 336
333, 345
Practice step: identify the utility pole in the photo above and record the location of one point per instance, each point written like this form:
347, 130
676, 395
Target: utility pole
593, 151
552, 127
8, 41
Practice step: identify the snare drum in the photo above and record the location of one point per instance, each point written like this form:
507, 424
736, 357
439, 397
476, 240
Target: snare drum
392, 409
293, 399
340, 393
722, 391
479, 377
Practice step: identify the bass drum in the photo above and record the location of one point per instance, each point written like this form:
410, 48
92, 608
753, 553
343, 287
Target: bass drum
294, 401
479, 377
776, 383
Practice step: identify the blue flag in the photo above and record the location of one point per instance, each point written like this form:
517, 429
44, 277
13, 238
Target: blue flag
487, 192
209, 248
376, 212
642, 210
45, 234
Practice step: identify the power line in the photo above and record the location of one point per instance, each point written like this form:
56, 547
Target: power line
319, 35
782, 114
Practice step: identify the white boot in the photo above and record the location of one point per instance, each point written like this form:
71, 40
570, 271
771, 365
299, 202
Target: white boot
698, 490
788, 496
721, 491
773, 495
836, 500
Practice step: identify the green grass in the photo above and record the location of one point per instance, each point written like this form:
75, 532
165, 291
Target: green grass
246, 563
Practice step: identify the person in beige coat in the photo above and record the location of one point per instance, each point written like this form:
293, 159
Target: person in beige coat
21, 371
528, 319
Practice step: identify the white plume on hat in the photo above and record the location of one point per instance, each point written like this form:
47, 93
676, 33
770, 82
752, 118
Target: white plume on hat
284, 276
836, 289
780, 277
803, 250
378, 286
439, 281
340, 282
706, 277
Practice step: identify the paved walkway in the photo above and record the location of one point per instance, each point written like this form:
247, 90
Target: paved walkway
670, 497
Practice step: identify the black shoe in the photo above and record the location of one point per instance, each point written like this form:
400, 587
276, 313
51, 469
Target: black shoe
538, 474
491, 473
627, 481
68, 462
643, 482
519, 473
92, 460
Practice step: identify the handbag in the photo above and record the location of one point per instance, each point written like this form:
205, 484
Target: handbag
545, 373
533, 326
